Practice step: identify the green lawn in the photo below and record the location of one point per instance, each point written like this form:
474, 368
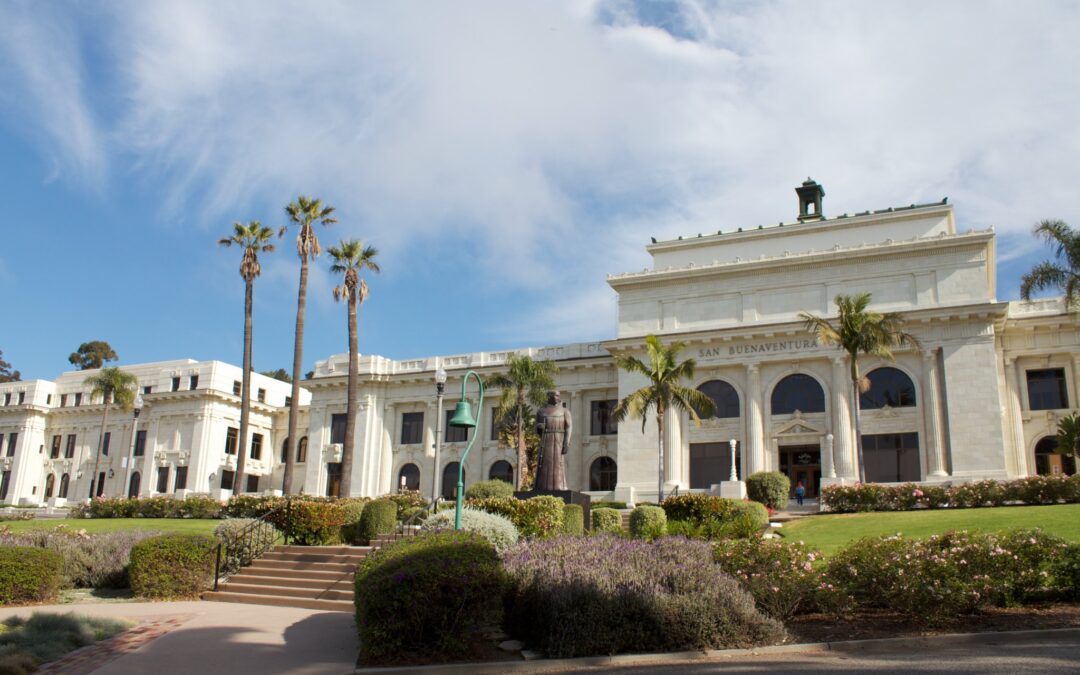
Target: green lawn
182, 525
829, 533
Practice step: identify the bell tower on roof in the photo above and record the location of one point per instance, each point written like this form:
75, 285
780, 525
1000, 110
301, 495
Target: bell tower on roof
810, 194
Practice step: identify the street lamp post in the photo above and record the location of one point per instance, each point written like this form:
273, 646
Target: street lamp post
131, 451
440, 386
463, 417
734, 474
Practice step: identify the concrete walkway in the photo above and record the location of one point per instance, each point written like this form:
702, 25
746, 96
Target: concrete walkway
219, 637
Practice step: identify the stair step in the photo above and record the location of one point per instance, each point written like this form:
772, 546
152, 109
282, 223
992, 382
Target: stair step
306, 566
310, 593
314, 557
243, 577
261, 569
335, 550
279, 601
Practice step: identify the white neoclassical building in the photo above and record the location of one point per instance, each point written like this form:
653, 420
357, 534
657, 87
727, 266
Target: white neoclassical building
980, 400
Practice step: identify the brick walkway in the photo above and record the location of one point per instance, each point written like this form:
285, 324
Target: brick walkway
92, 657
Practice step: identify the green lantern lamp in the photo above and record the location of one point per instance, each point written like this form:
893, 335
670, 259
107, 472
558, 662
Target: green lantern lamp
463, 418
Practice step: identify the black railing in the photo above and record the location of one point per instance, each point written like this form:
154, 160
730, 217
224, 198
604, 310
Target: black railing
253, 540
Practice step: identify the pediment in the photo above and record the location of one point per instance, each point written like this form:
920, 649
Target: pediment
799, 427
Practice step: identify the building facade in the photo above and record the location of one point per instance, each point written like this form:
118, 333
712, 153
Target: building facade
980, 399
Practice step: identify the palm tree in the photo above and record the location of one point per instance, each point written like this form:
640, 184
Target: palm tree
252, 239
351, 258
860, 331
1068, 436
303, 213
1064, 274
114, 386
664, 392
524, 384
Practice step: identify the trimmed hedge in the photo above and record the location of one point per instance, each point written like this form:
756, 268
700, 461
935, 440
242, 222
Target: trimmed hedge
606, 520
648, 522
379, 517
161, 506
771, 488
608, 505
313, 523
29, 574
573, 520
701, 516
489, 488
173, 566
1033, 490
350, 529
90, 560
430, 596
536, 517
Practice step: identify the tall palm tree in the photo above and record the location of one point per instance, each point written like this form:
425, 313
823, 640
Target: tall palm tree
115, 387
351, 258
860, 331
664, 392
304, 213
252, 239
525, 384
1064, 273
1068, 436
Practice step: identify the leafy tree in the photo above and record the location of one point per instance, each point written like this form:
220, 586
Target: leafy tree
252, 239
279, 374
114, 387
1063, 273
304, 213
6, 373
350, 259
524, 386
1068, 436
664, 392
860, 331
92, 355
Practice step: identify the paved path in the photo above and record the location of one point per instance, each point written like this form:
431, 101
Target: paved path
218, 637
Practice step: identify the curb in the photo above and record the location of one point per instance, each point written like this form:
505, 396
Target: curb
674, 658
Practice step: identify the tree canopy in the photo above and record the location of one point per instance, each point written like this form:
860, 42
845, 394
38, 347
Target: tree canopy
1063, 273
279, 374
92, 355
6, 373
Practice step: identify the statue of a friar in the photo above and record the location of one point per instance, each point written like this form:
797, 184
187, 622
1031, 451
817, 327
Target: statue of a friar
553, 425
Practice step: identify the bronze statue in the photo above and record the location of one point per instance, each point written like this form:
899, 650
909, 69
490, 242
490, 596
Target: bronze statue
553, 425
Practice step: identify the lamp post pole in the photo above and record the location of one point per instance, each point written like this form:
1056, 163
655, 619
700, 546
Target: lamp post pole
463, 418
440, 386
734, 474
131, 451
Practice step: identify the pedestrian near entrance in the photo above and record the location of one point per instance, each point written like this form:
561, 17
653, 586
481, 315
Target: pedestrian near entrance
800, 492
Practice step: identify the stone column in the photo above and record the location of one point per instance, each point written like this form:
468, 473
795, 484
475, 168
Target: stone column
827, 468
755, 433
935, 448
1016, 414
672, 449
843, 434
576, 478
383, 463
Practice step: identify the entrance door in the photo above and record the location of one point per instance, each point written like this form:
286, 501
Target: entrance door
802, 463
333, 479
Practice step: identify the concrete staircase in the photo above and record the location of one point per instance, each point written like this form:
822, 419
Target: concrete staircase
312, 577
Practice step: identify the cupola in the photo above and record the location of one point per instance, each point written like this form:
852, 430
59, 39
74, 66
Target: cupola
810, 194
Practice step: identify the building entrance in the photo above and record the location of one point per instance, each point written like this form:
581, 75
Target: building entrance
802, 463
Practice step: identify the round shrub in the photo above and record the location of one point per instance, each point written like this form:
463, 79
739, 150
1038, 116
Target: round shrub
451, 584
379, 517
315, 523
353, 510
29, 574
648, 522
173, 566
573, 520
243, 540
584, 596
754, 512
498, 530
770, 488
489, 488
536, 517
606, 520
780, 575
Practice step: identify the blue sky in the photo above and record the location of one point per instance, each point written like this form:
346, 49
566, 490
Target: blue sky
504, 157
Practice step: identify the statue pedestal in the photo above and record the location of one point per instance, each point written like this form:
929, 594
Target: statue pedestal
732, 489
568, 496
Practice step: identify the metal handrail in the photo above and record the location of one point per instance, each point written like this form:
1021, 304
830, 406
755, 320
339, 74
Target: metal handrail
247, 536
411, 521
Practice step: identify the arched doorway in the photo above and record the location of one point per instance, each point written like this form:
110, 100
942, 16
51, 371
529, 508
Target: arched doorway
501, 470
133, 485
62, 492
603, 474
409, 477
449, 480
1050, 463
50, 483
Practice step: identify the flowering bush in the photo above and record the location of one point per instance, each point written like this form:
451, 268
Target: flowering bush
498, 530
161, 506
574, 596
648, 522
90, 560
406, 500
771, 488
606, 520
780, 575
536, 517
873, 497
428, 595
313, 523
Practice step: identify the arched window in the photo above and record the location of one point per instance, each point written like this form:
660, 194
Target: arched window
133, 485
723, 396
1048, 462
449, 480
798, 392
501, 470
301, 450
888, 387
603, 474
409, 477
62, 492
50, 484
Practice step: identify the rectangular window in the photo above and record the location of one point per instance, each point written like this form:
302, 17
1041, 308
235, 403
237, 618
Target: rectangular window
22, 397
140, 442
11, 441
1046, 389
5, 482
180, 482
100, 487
710, 464
337, 428
412, 428
262, 396
7, 399
288, 400
891, 458
162, 478
232, 436
193, 382
57, 441
454, 434
48, 399
105, 443
147, 390
176, 384
1, 442
63, 400
227, 479
69, 449
601, 423
252, 484
237, 387
256, 446
78, 398
494, 426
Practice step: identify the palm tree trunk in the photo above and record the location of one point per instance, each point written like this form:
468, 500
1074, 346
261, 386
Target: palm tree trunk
522, 454
855, 418
298, 362
350, 410
660, 445
94, 487
245, 394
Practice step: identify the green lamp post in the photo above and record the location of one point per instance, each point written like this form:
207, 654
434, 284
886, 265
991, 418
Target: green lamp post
463, 417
